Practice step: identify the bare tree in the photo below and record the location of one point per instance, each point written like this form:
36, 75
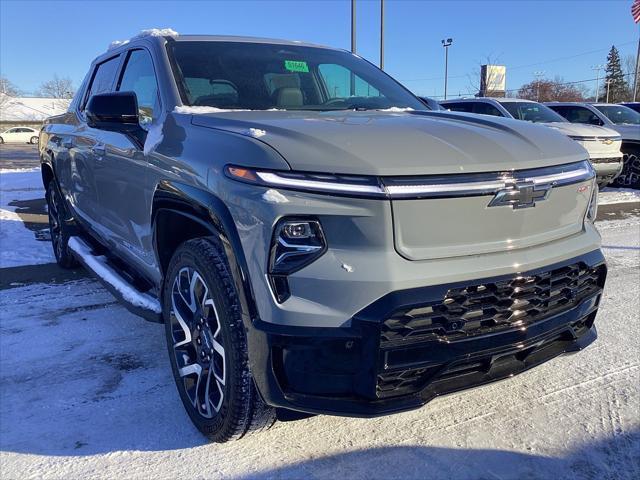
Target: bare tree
7, 90
57, 88
545, 90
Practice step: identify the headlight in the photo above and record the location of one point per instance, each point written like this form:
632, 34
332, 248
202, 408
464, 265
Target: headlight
296, 243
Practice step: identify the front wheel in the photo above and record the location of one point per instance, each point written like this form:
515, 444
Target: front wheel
58, 227
207, 344
630, 175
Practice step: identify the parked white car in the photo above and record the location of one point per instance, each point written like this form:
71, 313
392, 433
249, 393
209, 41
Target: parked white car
622, 119
602, 144
20, 135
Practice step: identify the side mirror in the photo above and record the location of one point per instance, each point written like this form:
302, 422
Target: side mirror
117, 111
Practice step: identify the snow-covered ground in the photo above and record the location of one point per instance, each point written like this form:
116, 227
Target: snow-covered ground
18, 245
86, 392
609, 196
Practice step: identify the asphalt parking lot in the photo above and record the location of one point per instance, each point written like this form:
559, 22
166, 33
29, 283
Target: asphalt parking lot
86, 390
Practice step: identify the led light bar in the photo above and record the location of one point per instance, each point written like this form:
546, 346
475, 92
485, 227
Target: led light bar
428, 186
299, 183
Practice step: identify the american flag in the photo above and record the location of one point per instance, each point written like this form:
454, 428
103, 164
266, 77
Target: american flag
635, 11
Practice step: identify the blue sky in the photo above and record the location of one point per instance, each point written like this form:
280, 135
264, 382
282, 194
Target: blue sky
565, 38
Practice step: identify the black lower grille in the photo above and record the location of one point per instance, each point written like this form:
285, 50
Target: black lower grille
482, 308
607, 160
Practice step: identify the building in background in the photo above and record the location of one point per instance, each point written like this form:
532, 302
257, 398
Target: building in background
493, 80
29, 111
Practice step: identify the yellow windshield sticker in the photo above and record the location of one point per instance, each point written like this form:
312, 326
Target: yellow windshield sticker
296, 66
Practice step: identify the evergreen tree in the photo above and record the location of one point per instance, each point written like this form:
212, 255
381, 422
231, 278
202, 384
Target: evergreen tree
618, 87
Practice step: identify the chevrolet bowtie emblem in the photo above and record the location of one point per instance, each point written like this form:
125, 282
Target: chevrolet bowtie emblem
521, 195
607, 141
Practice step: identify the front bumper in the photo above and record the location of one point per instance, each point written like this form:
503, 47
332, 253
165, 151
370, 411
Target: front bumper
607, 169
392, 359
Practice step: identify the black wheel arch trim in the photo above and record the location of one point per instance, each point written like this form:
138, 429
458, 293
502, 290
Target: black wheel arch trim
207, 210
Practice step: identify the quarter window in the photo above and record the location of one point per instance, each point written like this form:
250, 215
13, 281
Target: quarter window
103, 77
140, 77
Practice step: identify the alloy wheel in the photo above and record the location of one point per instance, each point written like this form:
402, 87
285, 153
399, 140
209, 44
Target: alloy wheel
197, 342
55, 226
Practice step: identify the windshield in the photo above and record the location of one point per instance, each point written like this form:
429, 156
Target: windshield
532, 112
619, 114
257, 76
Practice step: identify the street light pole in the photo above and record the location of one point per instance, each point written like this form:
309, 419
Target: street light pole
608, 82
597, 68
381, 34
538, 75
446, 44
353, 26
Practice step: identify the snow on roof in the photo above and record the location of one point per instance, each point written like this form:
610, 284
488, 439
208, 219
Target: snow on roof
24, 109
151, 32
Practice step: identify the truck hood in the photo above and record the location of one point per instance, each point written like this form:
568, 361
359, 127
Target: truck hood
628, 132
397, 143
582, 130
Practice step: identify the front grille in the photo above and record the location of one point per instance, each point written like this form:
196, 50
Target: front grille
482, 308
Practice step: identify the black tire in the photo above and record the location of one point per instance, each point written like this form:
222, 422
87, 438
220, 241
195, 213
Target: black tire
33, 141
58, 227
1, 140
207, 343
630, 175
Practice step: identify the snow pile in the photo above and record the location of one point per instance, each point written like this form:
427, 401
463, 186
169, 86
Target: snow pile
610, 196
396, 109
203, 110
257, 132
199, 110
274, 196
98, 265
152, 32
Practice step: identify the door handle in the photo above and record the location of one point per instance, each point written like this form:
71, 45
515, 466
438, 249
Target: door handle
99, 150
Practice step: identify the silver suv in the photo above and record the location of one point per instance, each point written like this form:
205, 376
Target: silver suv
313, 238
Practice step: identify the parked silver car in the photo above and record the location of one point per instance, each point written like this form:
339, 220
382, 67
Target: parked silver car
312, 237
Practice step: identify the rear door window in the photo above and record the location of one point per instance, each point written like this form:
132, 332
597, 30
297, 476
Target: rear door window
484, 108
459, 107
103, 78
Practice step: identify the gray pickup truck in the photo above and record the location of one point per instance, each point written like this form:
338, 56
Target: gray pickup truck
313, 238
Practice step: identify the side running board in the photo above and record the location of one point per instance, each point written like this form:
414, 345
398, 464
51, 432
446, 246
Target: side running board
137, 302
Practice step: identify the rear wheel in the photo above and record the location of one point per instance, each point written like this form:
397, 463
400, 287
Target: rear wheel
33, 141
207, 345
630, 175
1, 140
58, 227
